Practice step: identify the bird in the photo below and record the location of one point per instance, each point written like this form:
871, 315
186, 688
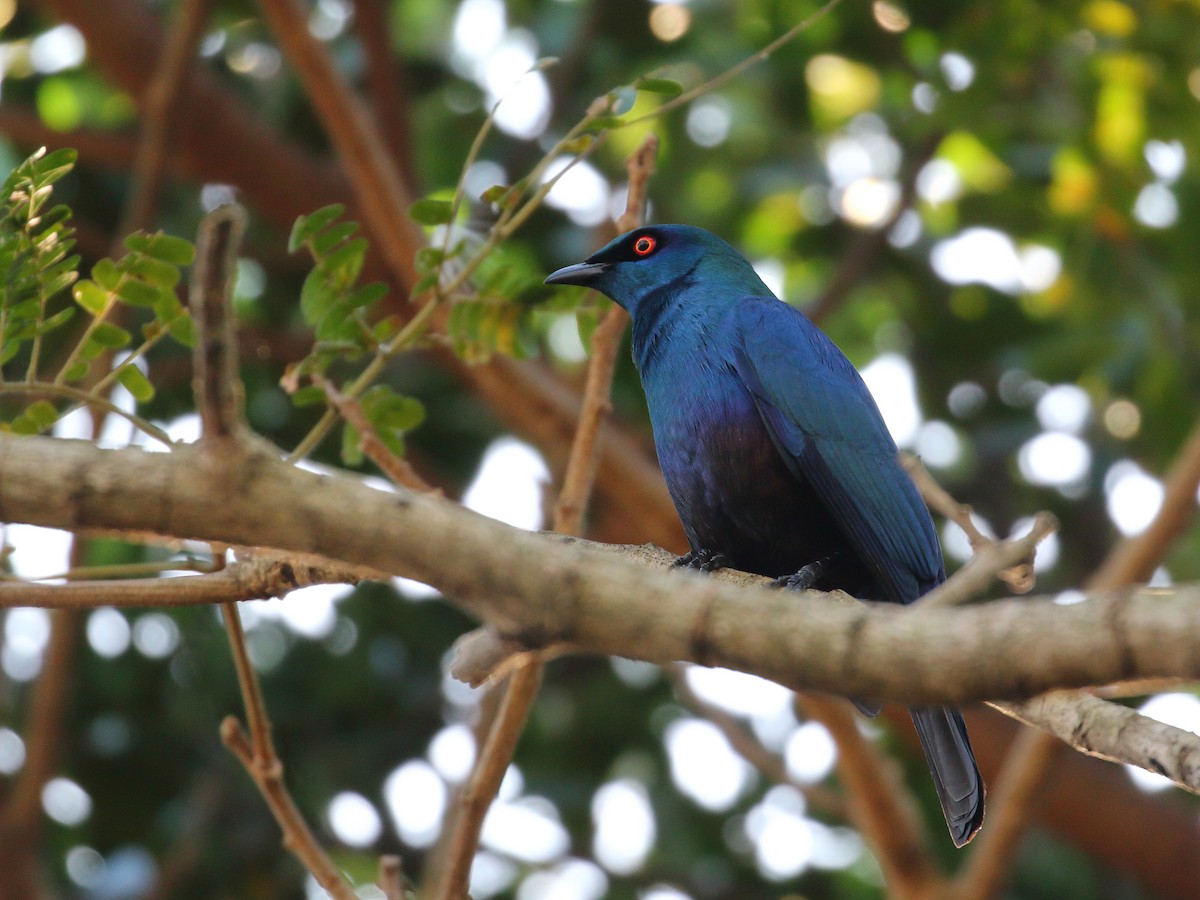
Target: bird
775, 454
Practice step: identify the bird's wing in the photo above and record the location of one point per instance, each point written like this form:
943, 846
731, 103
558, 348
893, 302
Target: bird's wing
830, 433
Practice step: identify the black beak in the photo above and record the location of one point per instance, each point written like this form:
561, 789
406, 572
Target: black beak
583, 273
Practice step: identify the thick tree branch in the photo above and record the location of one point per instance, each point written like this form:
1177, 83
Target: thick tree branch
353, 133
549, 588
161, 108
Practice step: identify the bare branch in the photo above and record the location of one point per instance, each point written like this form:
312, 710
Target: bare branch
770, 765
1070, 715
217, 386
994, 559
354, 136
543, 588
396, 468
494, 757
1116, 733
1017, 572
160, 108
880, 805
253, 578
526, 669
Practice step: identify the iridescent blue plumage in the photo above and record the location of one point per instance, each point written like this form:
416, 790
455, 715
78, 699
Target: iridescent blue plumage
774, 452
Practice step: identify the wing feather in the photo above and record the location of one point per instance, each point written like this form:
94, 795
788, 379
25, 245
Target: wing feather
830, 433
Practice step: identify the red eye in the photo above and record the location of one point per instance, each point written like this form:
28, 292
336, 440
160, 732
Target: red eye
644, 245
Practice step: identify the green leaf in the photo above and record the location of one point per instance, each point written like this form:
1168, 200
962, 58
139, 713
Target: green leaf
665, 86
173, 250
106, 274
388, 410
53, 166
183, 329
91, 297
316, 297
77, 371
9, 351
331, 237
386, 329
307, 226
23, 425
429, 258
109, 335
136, 383
42, 413
351, 445
138, 293
310, 395
346, 260
66, 276
430, 212
494, 194
424, 283
366, 295
59, 318
152, 270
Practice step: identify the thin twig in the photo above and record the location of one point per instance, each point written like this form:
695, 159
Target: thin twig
880, 804
1018, 571
218, 397
217, 386
87, 399
161, 108
257, 754
254, 578
770, 765
1132, 560
520, 690
391, 877
1016, 793
268, 776
993, 559
606, 341
521, 686
729, 74
397, 468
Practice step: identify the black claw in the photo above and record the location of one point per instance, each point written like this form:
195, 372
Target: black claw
803, 580
703, 560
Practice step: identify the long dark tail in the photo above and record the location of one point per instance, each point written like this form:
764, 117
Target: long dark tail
948, 751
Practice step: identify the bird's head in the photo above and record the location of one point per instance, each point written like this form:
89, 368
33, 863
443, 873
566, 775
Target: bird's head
664, 256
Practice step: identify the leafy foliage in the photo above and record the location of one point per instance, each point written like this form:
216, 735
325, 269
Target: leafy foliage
36, 262
36, 266
338, 309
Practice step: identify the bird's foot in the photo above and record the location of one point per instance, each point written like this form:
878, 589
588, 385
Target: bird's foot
805, 579
703, 560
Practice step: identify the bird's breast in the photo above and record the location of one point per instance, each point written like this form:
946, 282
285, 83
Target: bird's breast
734, 492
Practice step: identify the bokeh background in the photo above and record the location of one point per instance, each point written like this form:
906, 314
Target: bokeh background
988, 205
